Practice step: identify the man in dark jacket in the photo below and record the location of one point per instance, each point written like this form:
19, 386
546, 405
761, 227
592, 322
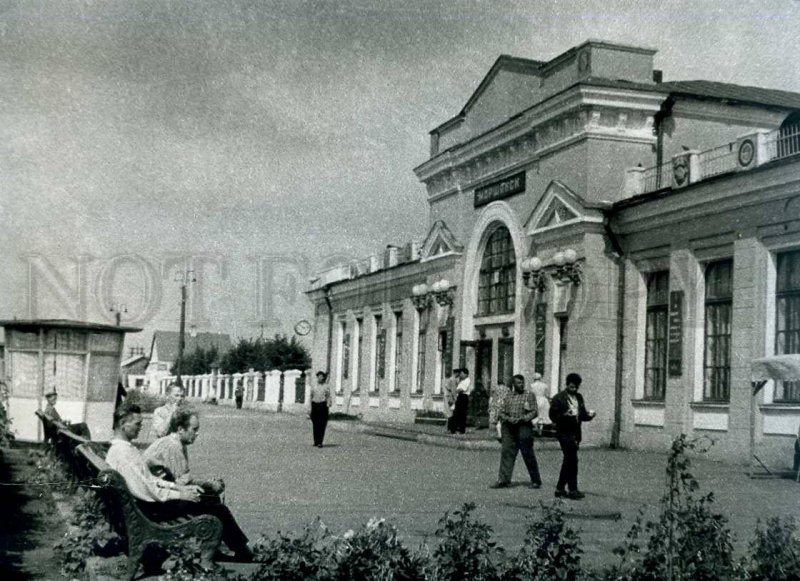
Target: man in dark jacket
567, 411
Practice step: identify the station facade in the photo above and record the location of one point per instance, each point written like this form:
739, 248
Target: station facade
586, 216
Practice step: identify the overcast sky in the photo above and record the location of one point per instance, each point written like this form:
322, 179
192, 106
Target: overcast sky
240, 128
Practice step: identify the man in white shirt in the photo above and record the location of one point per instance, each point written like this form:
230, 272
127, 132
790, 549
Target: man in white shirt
461, 409
162, 415
161, 500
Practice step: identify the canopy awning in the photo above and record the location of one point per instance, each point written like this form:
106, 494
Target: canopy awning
783, 367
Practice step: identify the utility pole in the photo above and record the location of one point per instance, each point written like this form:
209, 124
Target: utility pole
118, 309
185, 277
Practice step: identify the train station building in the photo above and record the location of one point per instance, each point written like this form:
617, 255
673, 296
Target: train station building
586, 215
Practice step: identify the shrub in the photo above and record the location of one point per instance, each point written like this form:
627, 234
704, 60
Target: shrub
375, 552
466, 550
185, 563
88, 535
689, 540
774, 552
50, 471
307, 556
341, 416
552, 550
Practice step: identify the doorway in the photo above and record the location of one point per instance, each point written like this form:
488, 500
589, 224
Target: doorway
479, 402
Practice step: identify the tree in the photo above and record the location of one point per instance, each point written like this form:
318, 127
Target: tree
198, 362
266, 354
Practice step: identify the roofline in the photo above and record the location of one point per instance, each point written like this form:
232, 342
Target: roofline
539, 67
503, 61
66, 324
590, 81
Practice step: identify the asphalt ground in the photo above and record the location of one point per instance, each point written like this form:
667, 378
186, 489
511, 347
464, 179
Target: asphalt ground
277, 481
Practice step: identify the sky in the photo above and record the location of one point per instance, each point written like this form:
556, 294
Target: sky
256, 142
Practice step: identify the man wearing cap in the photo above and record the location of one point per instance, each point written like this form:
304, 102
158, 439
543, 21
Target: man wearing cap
320, 402
51, 413
567, 411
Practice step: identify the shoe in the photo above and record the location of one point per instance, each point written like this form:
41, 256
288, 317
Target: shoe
244, 556
535, 485
576, 495
499, 485
319, 445
560, 493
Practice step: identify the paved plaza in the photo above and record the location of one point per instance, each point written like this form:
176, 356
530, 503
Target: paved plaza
276, 480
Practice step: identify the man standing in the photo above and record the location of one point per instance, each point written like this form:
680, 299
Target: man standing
238, 396
567, 412
541, 391
168, 457
162, 415
320, 401
461, 408
516, 412
159, 499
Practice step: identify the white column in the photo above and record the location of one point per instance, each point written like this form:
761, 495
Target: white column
290, 377
272, 389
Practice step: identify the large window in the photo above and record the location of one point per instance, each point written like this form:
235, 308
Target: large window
787, 324
655, 360
540, 328
498, 275
380, 352
359, 354
717, 358
345, 352
421, 340
398, 349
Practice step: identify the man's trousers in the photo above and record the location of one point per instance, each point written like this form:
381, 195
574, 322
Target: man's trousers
460, 411
568, 476
517, 438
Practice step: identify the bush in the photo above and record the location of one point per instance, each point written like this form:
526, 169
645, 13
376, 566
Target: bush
88, 535
774, 553
266, 354
147, 401
552, 550
185, 563
466, 550
343, 417
375, 552
307, 556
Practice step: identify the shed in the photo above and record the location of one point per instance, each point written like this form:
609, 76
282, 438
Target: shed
80, 360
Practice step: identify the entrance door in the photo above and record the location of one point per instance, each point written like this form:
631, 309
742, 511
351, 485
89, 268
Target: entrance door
479, 402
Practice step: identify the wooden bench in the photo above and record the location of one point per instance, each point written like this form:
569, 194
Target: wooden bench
122, 511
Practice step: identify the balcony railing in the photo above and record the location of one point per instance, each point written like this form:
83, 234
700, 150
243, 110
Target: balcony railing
743, 154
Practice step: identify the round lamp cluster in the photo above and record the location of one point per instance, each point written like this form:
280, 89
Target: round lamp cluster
419, 290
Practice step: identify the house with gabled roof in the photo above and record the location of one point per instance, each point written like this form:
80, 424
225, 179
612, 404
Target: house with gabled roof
164, 351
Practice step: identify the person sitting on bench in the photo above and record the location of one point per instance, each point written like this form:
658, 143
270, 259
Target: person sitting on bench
159, 499
168, 457
51, 413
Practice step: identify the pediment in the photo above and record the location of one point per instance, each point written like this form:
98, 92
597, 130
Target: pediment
439, 242
559, 207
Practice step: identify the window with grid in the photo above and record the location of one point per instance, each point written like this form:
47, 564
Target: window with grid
717, 357
380, 351
655, 360
345, 352
787, 324
540, 328
498, 275
398, 348
420, 359
359, 354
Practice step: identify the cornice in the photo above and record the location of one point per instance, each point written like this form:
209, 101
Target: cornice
579, 113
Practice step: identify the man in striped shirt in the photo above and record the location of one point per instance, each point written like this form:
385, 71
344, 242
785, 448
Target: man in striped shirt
516, 412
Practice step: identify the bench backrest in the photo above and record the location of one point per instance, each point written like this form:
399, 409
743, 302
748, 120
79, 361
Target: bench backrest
48, 426
119, 505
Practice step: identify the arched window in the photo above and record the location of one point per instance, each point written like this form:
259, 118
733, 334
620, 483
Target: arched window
789, 135
498, 277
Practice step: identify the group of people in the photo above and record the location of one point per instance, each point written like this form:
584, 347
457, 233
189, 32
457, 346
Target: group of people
457, 393
160, 479
515, 411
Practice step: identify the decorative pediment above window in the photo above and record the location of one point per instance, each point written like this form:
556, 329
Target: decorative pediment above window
559, 207
439, 242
